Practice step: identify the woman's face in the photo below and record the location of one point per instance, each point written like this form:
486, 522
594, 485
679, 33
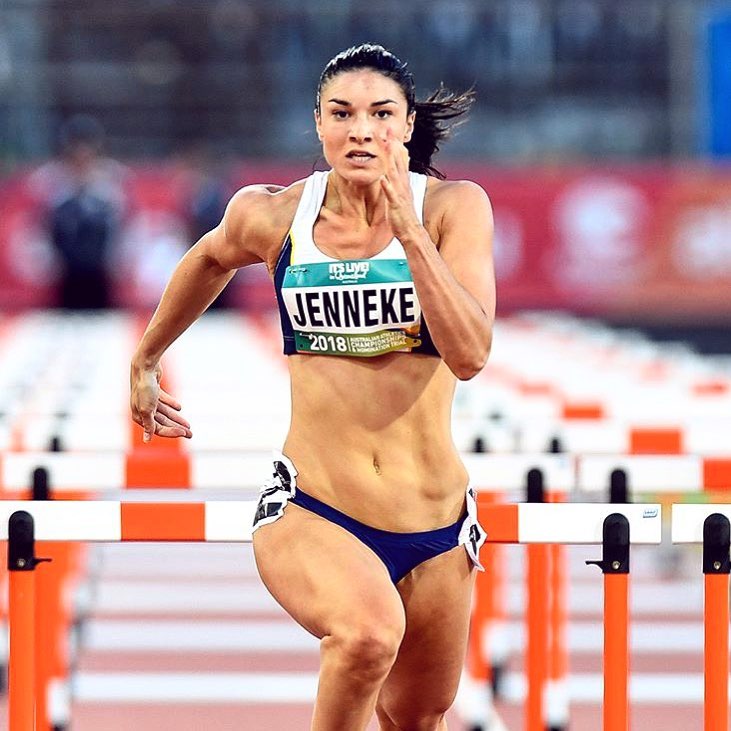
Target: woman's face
357, 108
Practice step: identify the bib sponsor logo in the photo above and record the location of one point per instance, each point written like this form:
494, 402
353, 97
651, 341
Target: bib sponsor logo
349, 272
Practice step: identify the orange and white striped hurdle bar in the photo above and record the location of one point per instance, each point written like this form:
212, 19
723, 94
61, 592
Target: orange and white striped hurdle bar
578, 431
153, 468
698, 436
655, 473
710, 525
231, 521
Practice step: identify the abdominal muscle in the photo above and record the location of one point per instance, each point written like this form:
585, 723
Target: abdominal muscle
372, 438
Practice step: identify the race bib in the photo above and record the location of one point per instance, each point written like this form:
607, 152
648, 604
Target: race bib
361, 307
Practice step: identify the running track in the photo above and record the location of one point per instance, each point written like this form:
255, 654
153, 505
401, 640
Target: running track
184, 637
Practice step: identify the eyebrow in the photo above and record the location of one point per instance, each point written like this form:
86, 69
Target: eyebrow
344, 103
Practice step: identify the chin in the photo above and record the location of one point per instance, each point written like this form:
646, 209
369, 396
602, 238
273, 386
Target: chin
364, 176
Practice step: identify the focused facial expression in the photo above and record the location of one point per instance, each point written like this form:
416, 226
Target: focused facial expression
357, 108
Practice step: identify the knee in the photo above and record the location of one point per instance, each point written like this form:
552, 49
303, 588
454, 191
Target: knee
367, 650
412, 718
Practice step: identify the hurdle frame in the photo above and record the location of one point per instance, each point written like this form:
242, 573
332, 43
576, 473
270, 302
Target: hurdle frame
709, 525
230, 521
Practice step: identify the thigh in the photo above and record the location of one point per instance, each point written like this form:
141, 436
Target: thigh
323, 576
437, 599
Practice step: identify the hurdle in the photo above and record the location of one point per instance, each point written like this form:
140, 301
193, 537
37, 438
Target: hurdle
656, 473
542, 476
709, 525
492, 474
173, 470
170, 469
230, 521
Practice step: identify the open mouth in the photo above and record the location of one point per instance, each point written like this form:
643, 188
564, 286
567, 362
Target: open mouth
360, 156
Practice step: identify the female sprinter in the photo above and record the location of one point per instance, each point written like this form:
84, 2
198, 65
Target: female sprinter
367, 533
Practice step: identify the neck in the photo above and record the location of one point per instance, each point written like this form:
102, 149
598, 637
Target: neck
366, 204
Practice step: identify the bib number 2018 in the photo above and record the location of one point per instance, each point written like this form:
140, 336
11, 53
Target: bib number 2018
328, 343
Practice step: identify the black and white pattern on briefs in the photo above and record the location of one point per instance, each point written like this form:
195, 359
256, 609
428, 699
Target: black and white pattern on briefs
277, 492
472, 535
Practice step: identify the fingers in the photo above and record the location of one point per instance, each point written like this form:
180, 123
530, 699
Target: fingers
157, 413
396, 153
173, 415
148, 424
395, 179
163, 422
166, 398
387, 146
167, 427
170, 432
389, 190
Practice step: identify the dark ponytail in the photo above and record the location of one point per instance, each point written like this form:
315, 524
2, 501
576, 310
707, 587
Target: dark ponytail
433, 124
434, 115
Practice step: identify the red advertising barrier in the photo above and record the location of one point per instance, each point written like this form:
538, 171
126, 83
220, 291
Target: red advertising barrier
644, 242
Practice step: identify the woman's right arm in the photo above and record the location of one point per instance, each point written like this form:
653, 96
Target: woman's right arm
240, 239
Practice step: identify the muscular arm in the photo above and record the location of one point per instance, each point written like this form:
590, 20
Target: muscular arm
456, 284
241, 238
203, 272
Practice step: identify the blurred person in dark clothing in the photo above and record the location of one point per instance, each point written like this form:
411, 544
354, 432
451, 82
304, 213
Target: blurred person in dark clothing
207, 194
83, 197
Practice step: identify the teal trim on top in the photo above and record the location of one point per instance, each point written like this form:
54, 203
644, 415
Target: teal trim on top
351, 271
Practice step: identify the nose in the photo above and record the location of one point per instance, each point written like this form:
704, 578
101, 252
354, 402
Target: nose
360, 129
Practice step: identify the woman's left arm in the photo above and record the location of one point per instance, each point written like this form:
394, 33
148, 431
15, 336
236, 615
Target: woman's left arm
455, 283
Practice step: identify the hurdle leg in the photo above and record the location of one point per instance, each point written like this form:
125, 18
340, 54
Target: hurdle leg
21, 673
478, 694
537, 617
557, 702
616, 652
496, 637
44, 618
22, 664
716, 567
4, 611
476, 691
615, 566
489, 611
44, 639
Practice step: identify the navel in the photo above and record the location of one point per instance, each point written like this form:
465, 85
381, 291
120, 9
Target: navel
376, 466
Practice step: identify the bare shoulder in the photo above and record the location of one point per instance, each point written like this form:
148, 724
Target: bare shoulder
258, 217
448, 193
451, 201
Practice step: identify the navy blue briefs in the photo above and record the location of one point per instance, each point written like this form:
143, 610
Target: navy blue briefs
400, 552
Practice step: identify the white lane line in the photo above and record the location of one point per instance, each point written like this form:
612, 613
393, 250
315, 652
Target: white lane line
239, 593
667, 688
680, 597
177, 559
281, 635
158, 557
195, 687
184, 636
193, 597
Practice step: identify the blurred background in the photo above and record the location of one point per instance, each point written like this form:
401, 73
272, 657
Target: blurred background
602, 133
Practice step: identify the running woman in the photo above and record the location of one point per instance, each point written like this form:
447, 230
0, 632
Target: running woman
367, 532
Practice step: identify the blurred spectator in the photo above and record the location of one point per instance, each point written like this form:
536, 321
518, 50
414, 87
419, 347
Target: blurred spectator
205, 202
82, 196
208, 192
